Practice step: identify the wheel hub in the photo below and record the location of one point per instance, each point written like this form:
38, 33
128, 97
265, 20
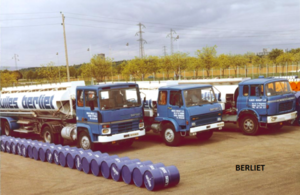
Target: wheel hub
248, 125
47, 137
169, 135
85, 142
6, 131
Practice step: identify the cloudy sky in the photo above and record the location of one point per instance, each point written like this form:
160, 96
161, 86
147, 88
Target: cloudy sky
32, 29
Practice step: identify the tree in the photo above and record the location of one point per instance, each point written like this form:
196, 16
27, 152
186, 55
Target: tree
72, 71
7, 78
167, 65
249, 56
208, 57
224, 62
273, 55
153, 64
238, 61
98, 68
130, 69
30, 75
48, 72
285, 59
179, 63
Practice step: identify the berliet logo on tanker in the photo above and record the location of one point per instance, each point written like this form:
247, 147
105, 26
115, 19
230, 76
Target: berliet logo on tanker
42, 101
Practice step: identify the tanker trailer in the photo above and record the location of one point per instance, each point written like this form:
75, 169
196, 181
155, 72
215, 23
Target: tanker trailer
54, 112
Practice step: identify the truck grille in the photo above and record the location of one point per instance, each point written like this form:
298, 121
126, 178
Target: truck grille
124, 127
204, 119
286, 106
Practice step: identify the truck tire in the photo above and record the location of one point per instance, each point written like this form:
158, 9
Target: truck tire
84, 141
171, 137
204, 135
49, 136
126, 143
6, 129
249, 125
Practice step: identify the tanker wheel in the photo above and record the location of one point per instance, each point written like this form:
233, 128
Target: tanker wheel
6, 129
126, 143
205, 135
249, 125
84, 141
49, 136
171, 137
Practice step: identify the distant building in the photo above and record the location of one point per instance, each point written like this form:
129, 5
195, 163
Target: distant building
102, 55
263, 53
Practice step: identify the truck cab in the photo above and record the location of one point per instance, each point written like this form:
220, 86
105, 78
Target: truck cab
261, 103
184, 110
108, 113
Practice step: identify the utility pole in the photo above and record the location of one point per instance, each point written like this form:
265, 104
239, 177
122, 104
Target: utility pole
172, 38
165, 51
66, 50
58, 66
141, 40
16, 58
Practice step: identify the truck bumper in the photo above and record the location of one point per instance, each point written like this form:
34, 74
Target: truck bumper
207, 127
282, 117
121, 136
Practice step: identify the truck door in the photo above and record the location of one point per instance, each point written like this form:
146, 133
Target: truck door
257, 99
162, 106
243, 99
79, 105
91, 110
175, 107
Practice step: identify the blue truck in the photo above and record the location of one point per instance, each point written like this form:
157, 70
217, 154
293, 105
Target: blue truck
260, 103
183, 110
87, 114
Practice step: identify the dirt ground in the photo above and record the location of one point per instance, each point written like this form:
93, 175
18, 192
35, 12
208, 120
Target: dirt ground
205, 167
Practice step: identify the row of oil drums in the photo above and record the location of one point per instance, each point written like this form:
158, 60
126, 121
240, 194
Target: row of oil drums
295, 85
152, 176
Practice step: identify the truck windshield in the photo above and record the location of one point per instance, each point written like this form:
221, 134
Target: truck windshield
119, 98
199, 96
277, 88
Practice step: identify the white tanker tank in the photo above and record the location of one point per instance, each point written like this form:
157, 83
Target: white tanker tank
40, 100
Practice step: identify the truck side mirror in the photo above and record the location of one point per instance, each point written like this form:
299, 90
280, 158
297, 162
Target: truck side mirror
219, 97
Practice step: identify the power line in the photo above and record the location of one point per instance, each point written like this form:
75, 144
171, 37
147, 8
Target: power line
29, 18
28, 13
27, 25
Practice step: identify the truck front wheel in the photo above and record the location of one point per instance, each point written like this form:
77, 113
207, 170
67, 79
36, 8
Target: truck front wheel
171, 137
84, 141
205, 135
249, 125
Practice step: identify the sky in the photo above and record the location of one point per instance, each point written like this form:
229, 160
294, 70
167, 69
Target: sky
31, 30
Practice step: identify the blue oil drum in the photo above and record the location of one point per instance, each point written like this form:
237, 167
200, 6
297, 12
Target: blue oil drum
162, 177
106, 165
86, 160
50, 153
71, 157
2, 142
30, 147
63, 155
24, 147
79, 156
56, 152
116, 168
35, 150
18, 146
42, 151
8, 142
96, 164
13, 146
138, 173
128, 169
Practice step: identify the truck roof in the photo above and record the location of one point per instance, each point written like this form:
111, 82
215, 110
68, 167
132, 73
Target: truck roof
110, 85
185, 87
260, 81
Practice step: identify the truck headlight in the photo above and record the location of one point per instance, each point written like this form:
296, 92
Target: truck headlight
106, 131
273, 118
219, 119
141, 124
193, 124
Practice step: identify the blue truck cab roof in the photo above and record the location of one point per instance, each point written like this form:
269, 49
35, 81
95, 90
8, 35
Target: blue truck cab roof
185, 87
260, 81
107, 86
